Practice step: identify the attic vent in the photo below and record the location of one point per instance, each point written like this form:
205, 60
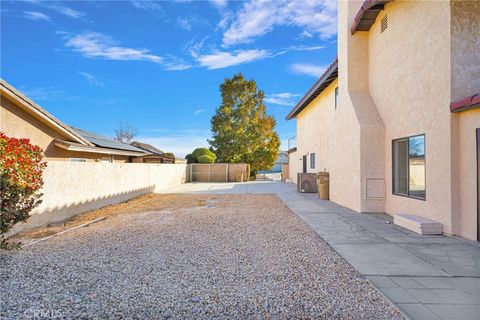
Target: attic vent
384, 23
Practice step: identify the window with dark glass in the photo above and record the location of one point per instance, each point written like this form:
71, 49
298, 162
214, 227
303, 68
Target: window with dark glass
408, 156
336, 97
312, 160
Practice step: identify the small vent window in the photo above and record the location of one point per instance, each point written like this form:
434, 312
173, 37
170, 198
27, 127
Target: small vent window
384, 23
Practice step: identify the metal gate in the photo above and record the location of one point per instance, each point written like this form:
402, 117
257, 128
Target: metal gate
219, 172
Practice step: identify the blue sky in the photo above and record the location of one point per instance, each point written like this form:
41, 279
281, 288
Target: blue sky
158, 65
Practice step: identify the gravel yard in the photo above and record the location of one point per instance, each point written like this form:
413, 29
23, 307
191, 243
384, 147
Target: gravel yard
184, 256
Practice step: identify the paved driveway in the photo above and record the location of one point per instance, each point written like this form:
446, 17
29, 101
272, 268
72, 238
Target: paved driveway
427, 277
188, 256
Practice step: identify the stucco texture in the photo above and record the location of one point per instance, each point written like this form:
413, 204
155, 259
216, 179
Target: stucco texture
71, 188
465, 48
395, 84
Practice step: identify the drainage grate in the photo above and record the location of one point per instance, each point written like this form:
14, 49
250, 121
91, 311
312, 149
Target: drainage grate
384, 23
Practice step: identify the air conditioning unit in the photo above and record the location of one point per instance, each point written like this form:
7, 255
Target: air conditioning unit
307, 182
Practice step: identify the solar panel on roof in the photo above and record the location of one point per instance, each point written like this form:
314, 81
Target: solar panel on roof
104, 142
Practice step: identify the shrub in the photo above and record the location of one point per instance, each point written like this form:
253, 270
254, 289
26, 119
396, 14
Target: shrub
190, 158
21, 169
206, 159
204, 153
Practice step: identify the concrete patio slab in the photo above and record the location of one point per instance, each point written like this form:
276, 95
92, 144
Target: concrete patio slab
417, 311
427, 277
386, 259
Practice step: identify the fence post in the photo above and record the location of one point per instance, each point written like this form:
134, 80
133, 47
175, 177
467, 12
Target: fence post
209, 172
226, 173
191, 172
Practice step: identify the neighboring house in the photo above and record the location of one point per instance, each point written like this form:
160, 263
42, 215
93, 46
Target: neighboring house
155, 155
23, 118
282, 159
396, 119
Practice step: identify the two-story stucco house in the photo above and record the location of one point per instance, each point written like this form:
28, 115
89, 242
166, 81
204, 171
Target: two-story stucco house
395, 119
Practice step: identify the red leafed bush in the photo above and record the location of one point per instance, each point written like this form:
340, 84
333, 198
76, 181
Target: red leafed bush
21, 169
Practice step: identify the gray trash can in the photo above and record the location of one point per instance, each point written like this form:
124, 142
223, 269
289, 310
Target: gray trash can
323, 183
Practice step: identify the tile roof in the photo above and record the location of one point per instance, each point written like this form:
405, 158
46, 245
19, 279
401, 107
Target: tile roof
367, 14
328, 76
466, 103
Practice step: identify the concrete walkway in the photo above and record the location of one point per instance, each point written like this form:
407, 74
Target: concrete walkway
427, 277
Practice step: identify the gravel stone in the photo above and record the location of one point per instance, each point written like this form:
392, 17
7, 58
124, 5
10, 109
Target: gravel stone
189, 256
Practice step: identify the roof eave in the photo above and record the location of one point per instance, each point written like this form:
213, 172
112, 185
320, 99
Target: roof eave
28, 105
81, 148
367, 14
327, 78
464, 104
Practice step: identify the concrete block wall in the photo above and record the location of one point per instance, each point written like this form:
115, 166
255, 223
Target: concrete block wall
71, 188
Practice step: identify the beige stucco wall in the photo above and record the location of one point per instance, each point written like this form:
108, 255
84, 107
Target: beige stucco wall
465, 52
73, 187
396, 84
294, 165
466, 165
409, 81
17, 123
314, 131
359, 136
465, 81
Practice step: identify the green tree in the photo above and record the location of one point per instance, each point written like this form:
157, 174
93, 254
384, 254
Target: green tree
242, 130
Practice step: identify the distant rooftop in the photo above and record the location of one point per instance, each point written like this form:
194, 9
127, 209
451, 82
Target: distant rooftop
147, 147
105, 142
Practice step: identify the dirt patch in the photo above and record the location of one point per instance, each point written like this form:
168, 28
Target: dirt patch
149, 202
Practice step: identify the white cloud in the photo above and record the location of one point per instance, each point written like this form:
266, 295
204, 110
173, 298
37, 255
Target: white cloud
36, 16
173, 66
184, 23
147, 5
181, 143
308, 69
282, 99
197, 112
305, 48
97, 45
47, 93
69, 12
220, 4
257, 18
218, 59
91, 79
173, 63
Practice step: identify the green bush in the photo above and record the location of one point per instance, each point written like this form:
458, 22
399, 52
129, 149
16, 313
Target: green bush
205, 154
206, 159
190, 158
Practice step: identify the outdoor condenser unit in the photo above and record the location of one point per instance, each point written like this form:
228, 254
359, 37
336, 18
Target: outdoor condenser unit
307, 182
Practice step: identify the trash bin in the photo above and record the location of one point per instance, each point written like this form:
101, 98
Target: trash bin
323, 183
